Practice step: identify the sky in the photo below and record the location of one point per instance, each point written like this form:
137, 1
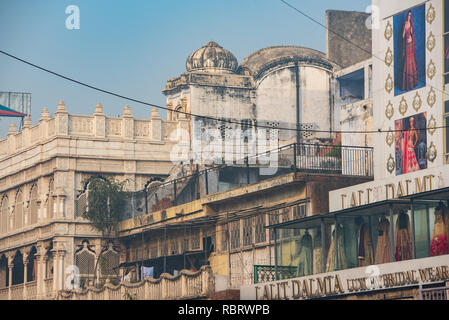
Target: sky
133, 47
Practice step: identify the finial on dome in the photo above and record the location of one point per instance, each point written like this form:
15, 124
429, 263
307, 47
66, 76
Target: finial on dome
212, 58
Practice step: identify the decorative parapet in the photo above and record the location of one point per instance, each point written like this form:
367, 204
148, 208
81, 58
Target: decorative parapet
96, 126
185, 285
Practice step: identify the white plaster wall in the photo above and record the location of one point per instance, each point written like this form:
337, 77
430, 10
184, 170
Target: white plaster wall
315, 98
276, 99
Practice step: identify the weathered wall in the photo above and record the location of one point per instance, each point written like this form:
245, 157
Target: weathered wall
350, 25
276, 101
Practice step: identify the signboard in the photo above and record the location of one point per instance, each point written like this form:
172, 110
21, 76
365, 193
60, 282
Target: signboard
380, 190
352, 281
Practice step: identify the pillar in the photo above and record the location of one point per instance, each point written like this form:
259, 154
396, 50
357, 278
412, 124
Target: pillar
10, 267
128, 123
25, 274
62, 120
99, 122
156, 126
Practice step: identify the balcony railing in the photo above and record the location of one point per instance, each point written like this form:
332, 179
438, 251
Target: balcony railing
311, 158
440, 293
273, 273
186, 285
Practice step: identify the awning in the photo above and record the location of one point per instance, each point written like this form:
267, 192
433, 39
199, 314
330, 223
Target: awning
7, 112
329, 218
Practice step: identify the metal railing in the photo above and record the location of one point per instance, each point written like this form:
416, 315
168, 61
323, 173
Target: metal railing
439, 293
273, 273
310, 158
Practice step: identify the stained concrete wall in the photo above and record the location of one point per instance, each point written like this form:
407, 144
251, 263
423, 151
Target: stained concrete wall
276, 100
352, 26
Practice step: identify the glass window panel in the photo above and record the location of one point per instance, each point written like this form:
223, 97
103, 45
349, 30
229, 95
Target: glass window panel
349, 233
447, 134
446, 53
382, 238
421, 229
446, 16
402, 236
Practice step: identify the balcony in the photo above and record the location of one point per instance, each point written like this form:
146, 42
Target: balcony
191, 186
186, 285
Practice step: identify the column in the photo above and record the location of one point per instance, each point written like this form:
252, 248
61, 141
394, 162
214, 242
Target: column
99, 122
156, 126
62, 120
59, 279
55, 270
43, 275
10, 267
25, 274
128, 123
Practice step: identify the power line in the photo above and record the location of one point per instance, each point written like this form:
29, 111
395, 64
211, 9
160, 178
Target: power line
354, 44
217, 119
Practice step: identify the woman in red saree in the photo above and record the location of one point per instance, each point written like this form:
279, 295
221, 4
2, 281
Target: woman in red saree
410, 139
410, 72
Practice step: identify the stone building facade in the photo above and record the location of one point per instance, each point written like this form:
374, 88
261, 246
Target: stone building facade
42, 169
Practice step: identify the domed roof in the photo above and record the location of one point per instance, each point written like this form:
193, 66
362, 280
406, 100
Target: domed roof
212, 58
264, 59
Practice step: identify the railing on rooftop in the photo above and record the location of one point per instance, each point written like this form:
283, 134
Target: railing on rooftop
310, 158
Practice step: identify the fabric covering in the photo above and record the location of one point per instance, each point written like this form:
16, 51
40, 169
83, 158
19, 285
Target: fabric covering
403, 238
7, 112
365, 253
383, 248
147, 272
331, 263
305, 257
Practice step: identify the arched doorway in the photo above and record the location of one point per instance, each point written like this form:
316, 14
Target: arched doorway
32, 265
17, 271
4, 272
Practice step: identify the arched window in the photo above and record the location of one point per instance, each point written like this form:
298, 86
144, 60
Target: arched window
33, 204
18, 210
50, 206
4, 215
177, 112
85, 261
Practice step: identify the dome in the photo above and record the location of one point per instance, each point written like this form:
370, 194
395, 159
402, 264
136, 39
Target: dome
264, 59
212, 58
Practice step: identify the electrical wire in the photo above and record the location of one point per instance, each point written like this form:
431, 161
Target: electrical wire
197, 115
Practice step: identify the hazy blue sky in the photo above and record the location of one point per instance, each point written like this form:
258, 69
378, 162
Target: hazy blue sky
133, 47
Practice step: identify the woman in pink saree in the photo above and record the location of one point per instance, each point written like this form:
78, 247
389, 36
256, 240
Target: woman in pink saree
410, 71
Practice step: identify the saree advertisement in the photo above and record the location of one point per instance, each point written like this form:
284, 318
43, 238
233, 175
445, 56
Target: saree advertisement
411, 143
409, 50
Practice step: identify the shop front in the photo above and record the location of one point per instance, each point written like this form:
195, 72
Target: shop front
391, 245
